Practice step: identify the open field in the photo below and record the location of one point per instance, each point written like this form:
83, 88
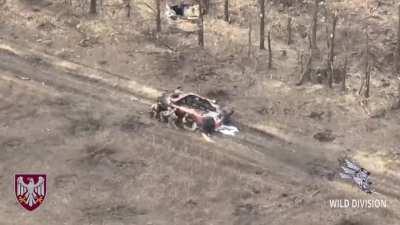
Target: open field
74, 102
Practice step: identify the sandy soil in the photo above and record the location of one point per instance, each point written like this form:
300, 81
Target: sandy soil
108, 163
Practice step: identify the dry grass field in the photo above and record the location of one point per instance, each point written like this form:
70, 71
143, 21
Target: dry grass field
75, 90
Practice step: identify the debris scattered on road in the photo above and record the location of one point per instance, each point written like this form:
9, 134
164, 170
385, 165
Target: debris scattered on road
23, 78
47, 42
357, 174
227, 130
207, 138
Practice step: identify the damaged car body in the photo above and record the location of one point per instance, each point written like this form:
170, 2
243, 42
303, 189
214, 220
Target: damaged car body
193, 112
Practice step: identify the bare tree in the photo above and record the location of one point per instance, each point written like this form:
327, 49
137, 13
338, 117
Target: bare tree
365, 83
367, 69
306, 72
269, 50
128, 8
127, 5
398, 45
398, 93
249, 39
315, 25
332, 50
158, 15
200, 24
226, 10
346, 56
289, 30
93, 7
300, 57
262, 24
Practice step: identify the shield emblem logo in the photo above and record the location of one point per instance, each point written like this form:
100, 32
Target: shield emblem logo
30, 190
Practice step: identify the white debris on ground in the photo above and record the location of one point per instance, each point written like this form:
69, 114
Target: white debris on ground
228, 130
207, 138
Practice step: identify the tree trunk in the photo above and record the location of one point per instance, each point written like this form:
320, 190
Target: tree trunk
158, 15
93, 6
344, 72
226, 10
289, 30
398, 93
269, 51
398, 45
128, 8
300, 62
262, 24
314, 26
346, 58
367, 66
332, 51
201, 25
249, 39
367, 82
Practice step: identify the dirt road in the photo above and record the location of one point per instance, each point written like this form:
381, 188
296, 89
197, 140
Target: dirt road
108, 163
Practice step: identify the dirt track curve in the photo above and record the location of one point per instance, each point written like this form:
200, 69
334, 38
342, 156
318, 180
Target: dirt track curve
108, 163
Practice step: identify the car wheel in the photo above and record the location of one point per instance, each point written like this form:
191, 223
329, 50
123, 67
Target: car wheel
163, 116
188, 123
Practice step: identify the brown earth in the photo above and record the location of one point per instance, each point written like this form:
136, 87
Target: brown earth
74, 98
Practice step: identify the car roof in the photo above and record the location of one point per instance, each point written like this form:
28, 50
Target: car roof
183, 95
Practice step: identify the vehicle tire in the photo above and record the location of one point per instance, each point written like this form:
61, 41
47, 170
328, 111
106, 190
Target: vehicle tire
163, 117
208, 125
227, 113
189, 123
172, 120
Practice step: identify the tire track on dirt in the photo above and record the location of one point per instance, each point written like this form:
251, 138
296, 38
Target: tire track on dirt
70, 85
13, 61
257, 140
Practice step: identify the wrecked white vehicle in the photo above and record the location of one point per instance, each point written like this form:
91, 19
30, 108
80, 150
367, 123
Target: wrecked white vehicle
193, 112
181, 10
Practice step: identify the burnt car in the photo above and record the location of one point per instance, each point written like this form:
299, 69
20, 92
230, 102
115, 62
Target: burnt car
192, 112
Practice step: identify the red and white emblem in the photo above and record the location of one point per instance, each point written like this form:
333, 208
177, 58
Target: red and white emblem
30, 190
